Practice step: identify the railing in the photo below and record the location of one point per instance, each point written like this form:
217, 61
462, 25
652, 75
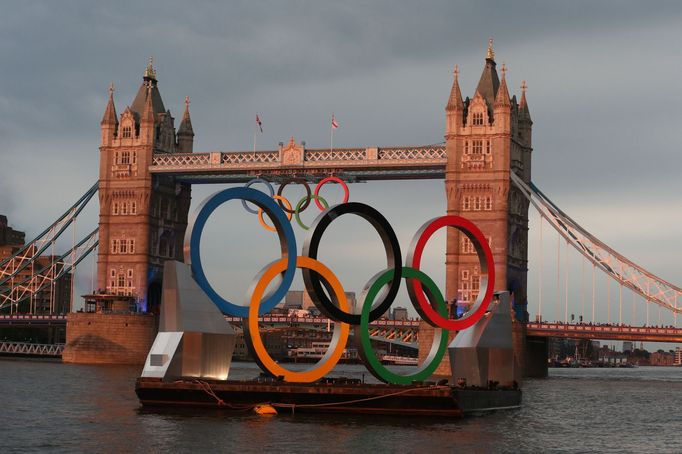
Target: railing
418, 157
407, 324
597, 329
29, 349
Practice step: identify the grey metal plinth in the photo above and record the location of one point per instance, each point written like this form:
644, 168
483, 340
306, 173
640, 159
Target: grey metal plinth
484, 353
194, 340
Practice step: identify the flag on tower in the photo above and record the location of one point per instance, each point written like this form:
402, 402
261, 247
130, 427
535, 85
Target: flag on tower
335, 124
259, 123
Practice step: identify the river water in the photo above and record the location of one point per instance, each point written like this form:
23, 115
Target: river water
53, 407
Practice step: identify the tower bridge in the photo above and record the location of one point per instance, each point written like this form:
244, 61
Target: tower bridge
147, 168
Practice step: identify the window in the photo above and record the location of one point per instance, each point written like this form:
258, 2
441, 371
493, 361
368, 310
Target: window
465, 275
113, 272
131, 246
124, 208
114, 246
478, 119
465, 286
466, 147
121, 280
477, 147
466, 203
134, 159
477, 203
133, 207
127, 132
487, 147
115, 209
124, 246
467, 246
488, 203
125, 157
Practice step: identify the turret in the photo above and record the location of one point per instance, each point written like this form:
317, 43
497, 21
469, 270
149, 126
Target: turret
109, 123
525, 122
147, 120
502, 105
185, 132
454, 111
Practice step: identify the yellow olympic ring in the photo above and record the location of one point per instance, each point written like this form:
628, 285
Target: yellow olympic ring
260, 213
341, 330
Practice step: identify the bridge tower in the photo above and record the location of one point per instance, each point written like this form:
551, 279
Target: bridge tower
142, 218
487, 137
142, 221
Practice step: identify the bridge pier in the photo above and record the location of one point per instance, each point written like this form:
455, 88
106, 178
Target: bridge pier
537, 350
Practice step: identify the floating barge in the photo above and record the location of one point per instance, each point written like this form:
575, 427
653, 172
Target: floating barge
332, 396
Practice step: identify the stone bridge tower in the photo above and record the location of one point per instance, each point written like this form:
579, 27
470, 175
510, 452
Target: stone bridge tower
142, 218
487, 137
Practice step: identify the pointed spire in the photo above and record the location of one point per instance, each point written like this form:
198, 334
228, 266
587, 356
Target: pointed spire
489, 81
110, 117
491, 54
523, 104
455, 101
148, 112
502, 98
186, 123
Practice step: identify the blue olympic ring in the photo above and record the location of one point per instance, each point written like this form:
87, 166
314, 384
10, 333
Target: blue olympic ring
267, 184
284, 231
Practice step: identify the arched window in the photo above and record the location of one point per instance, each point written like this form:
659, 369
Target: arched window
127, 132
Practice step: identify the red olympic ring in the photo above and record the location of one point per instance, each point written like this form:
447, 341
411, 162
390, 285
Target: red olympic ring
485, 256
326, 180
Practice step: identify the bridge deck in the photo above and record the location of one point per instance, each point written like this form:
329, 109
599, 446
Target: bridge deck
605, 332
353, 164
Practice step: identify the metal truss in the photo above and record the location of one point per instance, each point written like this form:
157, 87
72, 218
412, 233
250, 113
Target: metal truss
618, 267
426, 161
49, 274
27, 255
25, 348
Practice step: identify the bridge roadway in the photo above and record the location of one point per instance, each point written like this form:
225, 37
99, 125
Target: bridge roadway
410, 328
351, 164
28, 320
605, 332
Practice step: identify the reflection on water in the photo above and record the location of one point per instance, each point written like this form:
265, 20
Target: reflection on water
52, 407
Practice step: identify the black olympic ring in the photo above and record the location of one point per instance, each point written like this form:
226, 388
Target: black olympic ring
388, 237
308, 192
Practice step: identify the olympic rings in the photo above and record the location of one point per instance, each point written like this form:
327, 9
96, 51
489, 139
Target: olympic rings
280, 190
299, 208
440, 337
326, 180
320, 281
393, 260
284, 231
487, 279
252, 333
267, 184
260, 213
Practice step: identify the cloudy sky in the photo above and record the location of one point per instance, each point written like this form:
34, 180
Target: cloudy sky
603, 92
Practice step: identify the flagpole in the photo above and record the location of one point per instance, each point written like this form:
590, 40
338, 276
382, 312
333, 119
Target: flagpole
331, 134
255, 133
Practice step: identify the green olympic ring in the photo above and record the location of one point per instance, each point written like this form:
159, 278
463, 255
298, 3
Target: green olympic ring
440, 336
300, 203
